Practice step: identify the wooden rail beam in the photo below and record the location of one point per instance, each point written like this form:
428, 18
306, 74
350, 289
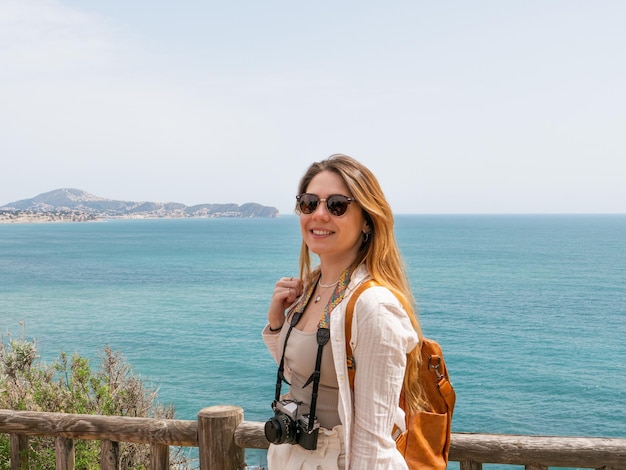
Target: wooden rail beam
96, 427
222, 437
545, 451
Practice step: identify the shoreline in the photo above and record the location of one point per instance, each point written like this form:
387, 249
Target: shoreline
30, 217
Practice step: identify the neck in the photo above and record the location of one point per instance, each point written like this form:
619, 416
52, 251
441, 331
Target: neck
332, 265
330, 274
328, 278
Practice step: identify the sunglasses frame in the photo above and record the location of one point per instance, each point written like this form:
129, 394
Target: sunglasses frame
348, 201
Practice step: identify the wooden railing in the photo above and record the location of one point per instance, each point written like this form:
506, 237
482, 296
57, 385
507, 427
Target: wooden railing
221, 435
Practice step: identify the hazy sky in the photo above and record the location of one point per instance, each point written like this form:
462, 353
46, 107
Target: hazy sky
457, 107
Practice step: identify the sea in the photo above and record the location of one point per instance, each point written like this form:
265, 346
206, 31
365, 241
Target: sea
530, 310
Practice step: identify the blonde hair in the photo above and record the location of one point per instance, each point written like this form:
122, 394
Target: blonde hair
379, 252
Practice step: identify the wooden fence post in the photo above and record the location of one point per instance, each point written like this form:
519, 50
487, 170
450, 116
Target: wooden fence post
19, 452
159, 456
109, 455
65, 453
216, 438
470, 465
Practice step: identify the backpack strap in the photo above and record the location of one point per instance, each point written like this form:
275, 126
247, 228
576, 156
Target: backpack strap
443, 383
434, 361
348, 332
420, 453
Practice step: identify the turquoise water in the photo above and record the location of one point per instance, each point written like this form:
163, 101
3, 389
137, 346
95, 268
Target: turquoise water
530, 310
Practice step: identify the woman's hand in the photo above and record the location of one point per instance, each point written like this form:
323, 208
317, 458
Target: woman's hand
286, 291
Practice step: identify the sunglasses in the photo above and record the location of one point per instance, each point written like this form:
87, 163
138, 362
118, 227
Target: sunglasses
336, 204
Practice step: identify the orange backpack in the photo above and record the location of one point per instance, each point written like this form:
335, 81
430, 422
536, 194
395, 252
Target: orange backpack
426, 442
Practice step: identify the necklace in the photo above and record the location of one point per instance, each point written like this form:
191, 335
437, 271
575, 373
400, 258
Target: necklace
335, 298
328, 285
324, 286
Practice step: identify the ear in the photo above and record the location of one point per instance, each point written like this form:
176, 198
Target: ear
366, 228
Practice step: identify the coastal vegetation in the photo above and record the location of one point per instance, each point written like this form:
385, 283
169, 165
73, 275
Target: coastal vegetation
70, 385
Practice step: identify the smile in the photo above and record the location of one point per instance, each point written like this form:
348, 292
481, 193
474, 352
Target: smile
321, 232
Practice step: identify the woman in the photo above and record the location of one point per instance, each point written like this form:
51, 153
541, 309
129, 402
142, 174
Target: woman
346, 221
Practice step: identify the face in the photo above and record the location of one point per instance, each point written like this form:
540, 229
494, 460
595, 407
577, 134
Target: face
327, 235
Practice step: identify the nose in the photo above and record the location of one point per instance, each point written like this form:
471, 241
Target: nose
321, 209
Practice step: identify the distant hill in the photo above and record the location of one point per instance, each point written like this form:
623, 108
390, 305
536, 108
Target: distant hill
78, 205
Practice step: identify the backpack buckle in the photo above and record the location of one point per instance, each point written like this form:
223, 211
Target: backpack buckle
434, 362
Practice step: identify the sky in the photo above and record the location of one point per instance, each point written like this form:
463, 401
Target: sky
457, 107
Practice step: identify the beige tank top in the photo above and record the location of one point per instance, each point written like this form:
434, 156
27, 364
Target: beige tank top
300, 357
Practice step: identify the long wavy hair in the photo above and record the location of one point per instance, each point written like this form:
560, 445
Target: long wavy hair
379, 251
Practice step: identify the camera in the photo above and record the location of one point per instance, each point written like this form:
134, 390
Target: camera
290, 426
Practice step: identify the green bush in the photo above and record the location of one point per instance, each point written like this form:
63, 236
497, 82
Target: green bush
70, 385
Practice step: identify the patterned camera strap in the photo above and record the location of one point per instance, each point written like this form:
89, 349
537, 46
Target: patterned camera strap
323, 335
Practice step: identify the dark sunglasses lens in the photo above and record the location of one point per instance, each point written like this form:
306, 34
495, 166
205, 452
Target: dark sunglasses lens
308, 203
337, 205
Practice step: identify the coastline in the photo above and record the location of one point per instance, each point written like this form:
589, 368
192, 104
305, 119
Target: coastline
34, 217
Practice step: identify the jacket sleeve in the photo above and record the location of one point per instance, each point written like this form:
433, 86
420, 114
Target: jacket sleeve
271, 342
382, 336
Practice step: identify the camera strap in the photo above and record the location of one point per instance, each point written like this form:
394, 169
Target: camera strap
280, 375
323, 335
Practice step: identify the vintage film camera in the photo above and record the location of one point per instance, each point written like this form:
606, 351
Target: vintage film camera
290, 426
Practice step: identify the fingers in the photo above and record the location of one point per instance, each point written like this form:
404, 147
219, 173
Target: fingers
286, 292
291, 287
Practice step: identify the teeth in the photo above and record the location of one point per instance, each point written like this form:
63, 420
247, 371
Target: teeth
321, 232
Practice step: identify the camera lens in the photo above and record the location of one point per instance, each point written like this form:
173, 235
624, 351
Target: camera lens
280, 430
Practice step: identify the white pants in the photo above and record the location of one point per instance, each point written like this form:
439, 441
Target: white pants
329, 455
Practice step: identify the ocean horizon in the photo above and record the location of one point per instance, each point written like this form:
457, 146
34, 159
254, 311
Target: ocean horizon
530, 310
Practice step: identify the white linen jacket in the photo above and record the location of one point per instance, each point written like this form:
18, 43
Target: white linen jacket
382, 335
